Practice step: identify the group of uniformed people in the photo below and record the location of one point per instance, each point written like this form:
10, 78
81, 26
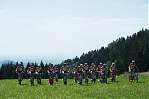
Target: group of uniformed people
32, 71
93, 72
83, 72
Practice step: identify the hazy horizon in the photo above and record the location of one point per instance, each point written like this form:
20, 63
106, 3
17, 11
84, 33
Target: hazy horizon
60, 29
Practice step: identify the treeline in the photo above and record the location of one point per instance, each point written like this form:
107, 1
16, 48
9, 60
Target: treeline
8, 70
120, 51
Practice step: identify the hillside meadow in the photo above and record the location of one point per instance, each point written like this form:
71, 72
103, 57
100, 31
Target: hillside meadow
122, 89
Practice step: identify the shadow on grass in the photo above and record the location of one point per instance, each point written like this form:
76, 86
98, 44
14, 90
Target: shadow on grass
117, 81
140, 82
110, 82
89, 84
23, 84
114, 82
43, 84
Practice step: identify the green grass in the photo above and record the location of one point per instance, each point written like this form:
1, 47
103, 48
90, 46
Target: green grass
9, 89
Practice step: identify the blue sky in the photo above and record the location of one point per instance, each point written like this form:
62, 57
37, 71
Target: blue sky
60, 29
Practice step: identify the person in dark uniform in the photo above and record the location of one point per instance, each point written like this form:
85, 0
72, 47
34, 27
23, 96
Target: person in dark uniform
93, 72
80, 74
86, 72
20, 71
65, 71
31, 72
50, 72
133, 71
113, 72
38, 73
56, 72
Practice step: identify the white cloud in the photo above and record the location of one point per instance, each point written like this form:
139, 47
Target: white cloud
62, 35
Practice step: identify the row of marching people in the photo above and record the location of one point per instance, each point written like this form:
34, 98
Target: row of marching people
80, 72
102, 72
36, 72
83, 72
93, 72
32, 71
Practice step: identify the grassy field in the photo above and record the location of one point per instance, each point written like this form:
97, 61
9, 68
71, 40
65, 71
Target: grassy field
122, 89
